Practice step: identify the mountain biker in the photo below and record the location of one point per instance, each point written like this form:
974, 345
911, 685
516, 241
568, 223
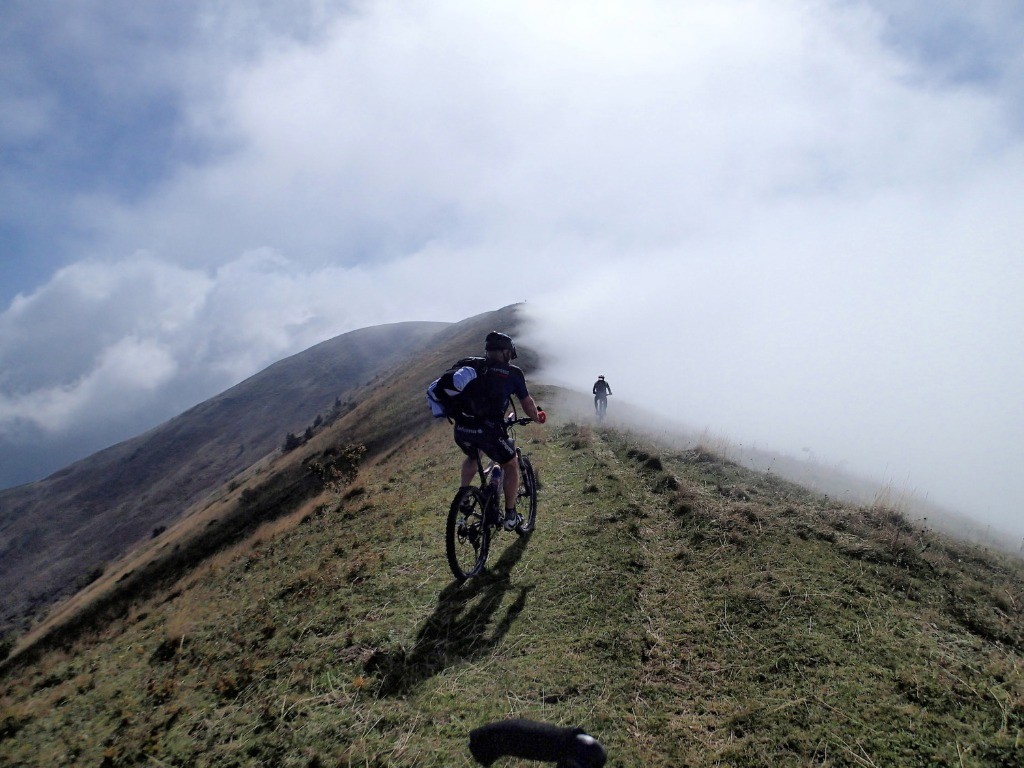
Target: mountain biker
486, 431
601, 391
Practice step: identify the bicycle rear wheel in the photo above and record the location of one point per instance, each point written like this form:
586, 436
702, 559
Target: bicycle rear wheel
467, 536
528, 493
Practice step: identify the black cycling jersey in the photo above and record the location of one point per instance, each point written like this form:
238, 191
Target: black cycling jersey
601, 387
486, 431
495, 388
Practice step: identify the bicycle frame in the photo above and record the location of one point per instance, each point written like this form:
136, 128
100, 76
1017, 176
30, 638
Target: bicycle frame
511, 420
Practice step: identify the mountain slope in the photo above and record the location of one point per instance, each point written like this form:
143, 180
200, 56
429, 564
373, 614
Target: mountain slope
378, 414
681, 608
53, 531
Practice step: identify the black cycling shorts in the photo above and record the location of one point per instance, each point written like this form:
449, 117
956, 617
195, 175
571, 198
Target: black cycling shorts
491, 439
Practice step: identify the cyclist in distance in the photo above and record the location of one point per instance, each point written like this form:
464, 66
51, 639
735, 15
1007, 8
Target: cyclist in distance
484, 429
601, 391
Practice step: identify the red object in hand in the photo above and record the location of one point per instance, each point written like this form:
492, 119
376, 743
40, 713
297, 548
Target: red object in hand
541, 417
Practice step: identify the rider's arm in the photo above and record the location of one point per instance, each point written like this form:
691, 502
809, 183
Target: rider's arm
530, 407
525, 399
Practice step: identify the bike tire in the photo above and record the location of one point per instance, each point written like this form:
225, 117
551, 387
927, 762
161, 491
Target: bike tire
528, 493
467, 535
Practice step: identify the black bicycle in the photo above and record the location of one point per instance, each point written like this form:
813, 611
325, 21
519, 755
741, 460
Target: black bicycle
476, 513
601, 406
569, 747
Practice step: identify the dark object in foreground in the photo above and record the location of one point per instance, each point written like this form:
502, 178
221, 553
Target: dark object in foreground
569, 747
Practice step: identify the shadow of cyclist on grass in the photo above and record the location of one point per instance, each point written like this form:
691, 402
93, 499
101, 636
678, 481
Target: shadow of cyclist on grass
457, 630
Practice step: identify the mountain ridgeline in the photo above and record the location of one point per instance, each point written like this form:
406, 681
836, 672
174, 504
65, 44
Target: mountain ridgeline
63, 530
683, 609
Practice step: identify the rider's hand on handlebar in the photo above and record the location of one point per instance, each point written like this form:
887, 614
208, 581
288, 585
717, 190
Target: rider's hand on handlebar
541, 416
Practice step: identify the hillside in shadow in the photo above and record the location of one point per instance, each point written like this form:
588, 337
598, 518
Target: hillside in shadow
686, 610
60, 531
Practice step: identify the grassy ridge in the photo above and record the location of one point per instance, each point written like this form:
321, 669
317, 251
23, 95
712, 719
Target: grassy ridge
686, 611
786, 629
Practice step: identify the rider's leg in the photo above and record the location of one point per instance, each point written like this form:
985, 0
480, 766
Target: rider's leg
510, 482
468, 471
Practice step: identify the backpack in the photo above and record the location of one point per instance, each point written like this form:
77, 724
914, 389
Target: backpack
454, 394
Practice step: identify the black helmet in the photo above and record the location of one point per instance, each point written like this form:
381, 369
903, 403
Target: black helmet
497, 340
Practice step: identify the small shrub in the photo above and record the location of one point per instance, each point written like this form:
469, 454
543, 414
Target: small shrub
667, 483
684, 506
166, 651
577, 436
701, 455
91, 575
6, 646
12, 720
337, 468
161, 690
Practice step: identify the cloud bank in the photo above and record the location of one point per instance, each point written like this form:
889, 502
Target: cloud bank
796, 223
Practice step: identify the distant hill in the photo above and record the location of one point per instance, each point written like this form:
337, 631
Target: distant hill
55, 532
683, 609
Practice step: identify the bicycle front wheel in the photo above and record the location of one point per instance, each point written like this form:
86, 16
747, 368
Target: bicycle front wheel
467, 536
528, 494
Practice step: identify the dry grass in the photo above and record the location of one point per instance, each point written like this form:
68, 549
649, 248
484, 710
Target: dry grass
685, 610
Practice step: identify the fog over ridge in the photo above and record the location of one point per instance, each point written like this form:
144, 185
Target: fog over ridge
887, 366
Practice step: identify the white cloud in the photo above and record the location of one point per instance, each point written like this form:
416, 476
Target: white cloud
141, 339
795, 210
880, 334
408, 125
124, 374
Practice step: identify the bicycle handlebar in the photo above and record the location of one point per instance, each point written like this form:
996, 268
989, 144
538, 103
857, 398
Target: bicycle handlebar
569, 747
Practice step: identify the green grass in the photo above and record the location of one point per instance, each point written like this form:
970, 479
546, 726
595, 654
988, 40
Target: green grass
682, 609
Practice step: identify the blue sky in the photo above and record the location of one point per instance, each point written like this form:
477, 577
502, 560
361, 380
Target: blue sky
796, 223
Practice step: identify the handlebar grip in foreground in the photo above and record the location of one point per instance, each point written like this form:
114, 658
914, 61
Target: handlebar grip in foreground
569, 747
